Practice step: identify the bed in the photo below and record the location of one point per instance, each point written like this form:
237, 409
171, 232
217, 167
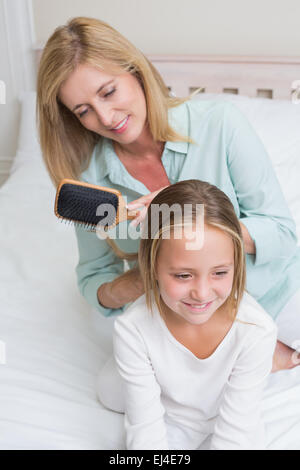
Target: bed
52, 343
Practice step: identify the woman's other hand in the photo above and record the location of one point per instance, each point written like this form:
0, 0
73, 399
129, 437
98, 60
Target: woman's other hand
249, 244
142, 203
122, 290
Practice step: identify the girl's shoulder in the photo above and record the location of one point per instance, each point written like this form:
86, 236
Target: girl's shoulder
252, 314
137, 315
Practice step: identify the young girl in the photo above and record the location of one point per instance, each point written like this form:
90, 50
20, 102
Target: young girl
194, 351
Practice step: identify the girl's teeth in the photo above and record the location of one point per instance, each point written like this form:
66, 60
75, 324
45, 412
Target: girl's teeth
200, 306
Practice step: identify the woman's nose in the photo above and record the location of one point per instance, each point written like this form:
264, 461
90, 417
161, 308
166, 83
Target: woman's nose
105, 115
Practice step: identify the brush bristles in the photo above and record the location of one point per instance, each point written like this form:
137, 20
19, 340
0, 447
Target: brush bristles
79, 204
90, 228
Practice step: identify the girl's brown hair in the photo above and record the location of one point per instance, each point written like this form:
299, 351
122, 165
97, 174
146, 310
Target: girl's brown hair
66, 144
218, 212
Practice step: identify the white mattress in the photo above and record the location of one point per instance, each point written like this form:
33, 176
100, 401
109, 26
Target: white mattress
55, 343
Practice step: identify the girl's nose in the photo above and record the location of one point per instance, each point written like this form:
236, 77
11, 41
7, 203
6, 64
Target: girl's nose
201, 291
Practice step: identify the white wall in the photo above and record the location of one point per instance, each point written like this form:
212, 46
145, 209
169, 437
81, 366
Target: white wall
246, 27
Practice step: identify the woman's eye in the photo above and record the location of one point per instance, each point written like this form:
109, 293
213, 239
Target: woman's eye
106, 94
83, 112
110, 92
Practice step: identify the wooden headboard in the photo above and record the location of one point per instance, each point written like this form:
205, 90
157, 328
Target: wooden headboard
267, 77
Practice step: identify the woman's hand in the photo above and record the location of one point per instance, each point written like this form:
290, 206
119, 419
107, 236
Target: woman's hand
142, 203
125, 288
249, 244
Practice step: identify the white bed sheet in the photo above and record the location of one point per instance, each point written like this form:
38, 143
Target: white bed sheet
56, 344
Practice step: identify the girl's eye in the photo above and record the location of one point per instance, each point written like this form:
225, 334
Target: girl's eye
181, 276
221, 273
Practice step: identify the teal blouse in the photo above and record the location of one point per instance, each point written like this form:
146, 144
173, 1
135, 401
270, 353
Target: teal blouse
227, 153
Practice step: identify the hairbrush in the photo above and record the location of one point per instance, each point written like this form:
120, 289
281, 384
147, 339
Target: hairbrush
89, 205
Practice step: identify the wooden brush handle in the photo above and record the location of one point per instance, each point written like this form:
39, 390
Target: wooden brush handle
123, 213
131, 214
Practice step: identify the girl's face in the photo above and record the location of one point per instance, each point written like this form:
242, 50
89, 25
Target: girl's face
195, 283
113, 106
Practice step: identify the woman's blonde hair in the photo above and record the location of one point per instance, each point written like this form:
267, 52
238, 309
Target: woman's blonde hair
66, 144
218, 212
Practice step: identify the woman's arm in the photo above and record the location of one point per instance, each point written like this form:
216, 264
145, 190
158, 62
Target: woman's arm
144, 422
122, 290
99, 266
263, 210
248, 242
239, 425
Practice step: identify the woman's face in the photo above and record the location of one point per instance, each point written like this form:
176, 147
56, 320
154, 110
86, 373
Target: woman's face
111, 105
194, 284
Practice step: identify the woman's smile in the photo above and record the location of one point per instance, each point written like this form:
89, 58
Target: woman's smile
122, 126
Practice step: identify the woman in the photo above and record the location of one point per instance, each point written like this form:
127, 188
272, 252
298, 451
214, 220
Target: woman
106, 117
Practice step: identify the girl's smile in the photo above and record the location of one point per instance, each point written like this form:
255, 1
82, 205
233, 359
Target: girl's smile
198, 307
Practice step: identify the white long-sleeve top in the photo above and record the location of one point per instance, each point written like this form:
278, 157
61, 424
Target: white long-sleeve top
175, 400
